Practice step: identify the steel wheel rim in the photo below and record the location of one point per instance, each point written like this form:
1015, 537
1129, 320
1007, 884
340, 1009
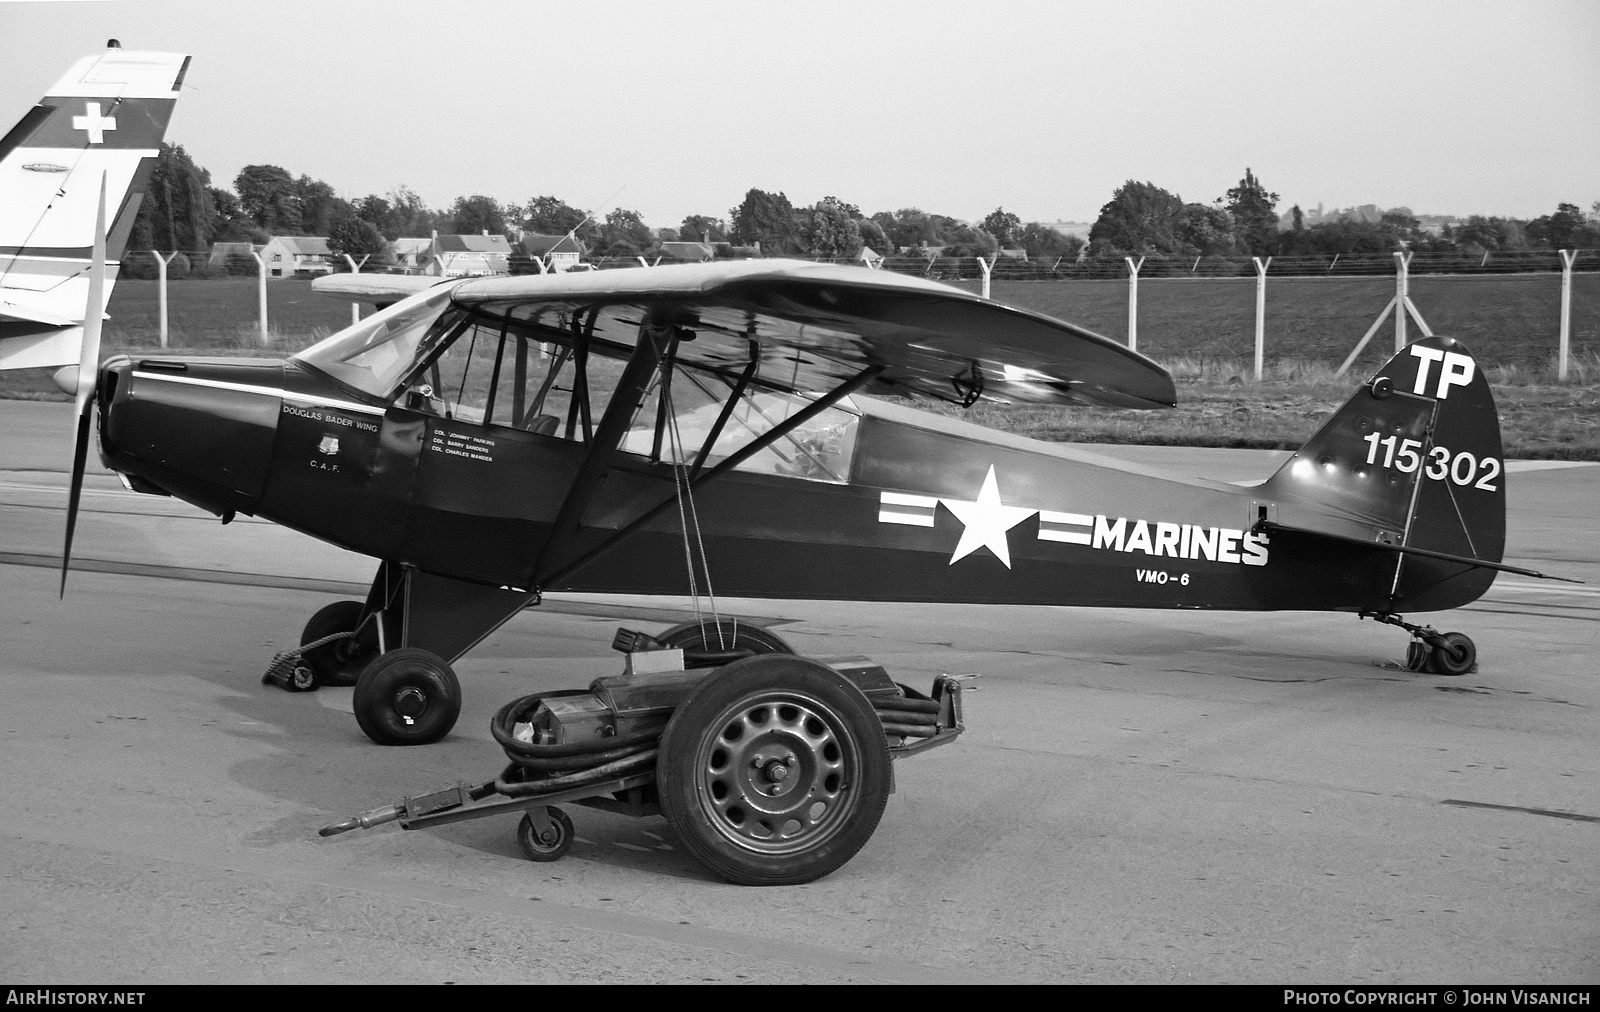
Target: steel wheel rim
775, 773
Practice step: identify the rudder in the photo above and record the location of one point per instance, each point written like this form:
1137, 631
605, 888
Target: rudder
1413, 459
104, 118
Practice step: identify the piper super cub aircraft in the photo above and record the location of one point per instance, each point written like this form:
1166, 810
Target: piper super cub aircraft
658, 429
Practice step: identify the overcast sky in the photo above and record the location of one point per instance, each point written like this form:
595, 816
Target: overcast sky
1044, 108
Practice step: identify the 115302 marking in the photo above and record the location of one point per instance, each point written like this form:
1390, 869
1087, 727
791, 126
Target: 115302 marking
1461, 468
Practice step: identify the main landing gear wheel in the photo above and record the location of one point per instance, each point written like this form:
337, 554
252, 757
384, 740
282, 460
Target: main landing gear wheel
774, 771
1457, 655
407, 697
547, 843
723, 635
342, 661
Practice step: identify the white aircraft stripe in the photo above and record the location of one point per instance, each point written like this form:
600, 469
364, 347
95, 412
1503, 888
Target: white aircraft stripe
1048, 533
923, 503
248, 388
910, 519
902, 499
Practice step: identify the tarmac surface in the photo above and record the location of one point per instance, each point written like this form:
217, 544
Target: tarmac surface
1140, 796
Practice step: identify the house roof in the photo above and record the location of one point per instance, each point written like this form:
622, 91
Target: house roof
303, 245
537, 245
405, 246
688, 250
474, 244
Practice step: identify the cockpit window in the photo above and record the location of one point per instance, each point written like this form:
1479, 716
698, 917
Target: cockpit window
375, 354
819, 450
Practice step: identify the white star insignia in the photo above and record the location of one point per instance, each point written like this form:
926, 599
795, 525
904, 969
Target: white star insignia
986, 522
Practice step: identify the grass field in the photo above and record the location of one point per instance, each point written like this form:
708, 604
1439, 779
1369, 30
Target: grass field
1508, 319
1202, 330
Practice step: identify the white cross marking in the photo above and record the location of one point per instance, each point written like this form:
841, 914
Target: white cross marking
92, 122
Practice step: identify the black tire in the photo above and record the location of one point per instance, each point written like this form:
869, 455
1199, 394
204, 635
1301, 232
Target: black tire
342, 661
774, 771
407, 697
536, 849
723, 634
1456, 656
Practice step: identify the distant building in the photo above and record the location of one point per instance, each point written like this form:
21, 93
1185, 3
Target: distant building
697, 252
221, 251
555, 252
870, 256
289, 255
410, 254
1013, 253
465, 256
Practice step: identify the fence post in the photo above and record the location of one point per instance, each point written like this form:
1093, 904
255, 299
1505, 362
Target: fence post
1402, 296
987, 267
1133, 301
261, 295
1567, 257
355, 268
1261, 312
161, 292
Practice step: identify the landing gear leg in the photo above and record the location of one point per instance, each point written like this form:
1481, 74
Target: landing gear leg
1430, 650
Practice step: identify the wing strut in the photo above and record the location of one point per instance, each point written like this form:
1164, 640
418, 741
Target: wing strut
760, 443
603, 446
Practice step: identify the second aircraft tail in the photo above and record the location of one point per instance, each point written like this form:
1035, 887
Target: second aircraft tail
104, 119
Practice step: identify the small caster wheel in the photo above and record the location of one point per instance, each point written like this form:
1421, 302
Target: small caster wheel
1417, 656
1457, 655
407, 697
549, 844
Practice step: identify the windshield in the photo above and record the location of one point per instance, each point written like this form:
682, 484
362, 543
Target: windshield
375, 354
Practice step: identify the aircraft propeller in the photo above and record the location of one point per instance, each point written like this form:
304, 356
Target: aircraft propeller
88, 366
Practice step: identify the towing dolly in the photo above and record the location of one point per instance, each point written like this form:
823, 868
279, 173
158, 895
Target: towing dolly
772, 768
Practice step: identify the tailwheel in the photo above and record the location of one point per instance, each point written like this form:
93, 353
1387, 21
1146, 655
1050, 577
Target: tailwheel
545, 835
341, 661
774, 771
1454, 654
407, 697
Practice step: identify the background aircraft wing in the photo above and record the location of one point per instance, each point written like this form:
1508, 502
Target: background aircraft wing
819, 324
379, 289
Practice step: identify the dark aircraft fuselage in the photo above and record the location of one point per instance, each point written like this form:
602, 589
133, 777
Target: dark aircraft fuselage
932, 509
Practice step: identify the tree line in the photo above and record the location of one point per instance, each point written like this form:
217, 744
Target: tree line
184, 212
1142, 219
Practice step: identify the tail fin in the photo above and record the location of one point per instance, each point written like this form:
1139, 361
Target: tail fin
1413, 460
106, 116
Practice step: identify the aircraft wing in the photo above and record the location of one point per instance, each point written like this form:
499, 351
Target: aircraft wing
379, 289
817, 325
